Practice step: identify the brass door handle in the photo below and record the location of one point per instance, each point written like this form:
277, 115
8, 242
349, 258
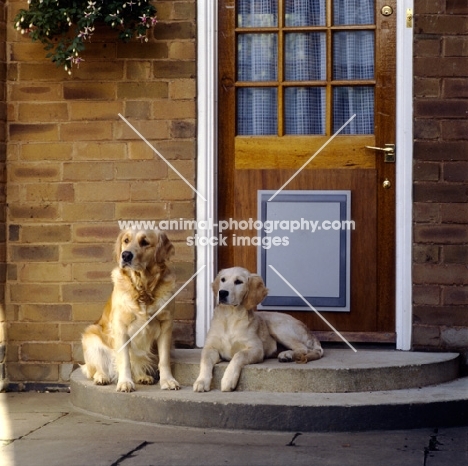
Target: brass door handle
389, 151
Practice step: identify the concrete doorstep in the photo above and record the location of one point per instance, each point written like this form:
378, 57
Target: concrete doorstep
439, 399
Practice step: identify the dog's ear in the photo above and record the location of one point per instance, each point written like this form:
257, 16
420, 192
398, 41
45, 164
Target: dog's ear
164, 248
256, 292
215, 285
118, 247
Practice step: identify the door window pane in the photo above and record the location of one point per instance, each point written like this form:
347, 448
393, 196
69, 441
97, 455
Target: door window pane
257, 57
305, 110
313, 67
348, 101
305, 56
304, 13
353, 55
257, 13
257, 111
347, 12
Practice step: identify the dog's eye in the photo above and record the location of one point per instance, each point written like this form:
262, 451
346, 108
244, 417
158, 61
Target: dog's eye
223, 279
126, 241
238, 282
144, 242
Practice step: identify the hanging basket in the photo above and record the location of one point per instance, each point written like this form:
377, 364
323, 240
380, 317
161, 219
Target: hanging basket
64, 26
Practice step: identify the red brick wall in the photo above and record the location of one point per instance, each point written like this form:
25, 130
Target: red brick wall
440, 273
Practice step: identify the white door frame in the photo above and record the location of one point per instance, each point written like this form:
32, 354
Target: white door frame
207, 19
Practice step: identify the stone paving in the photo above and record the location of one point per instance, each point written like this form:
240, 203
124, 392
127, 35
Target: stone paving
45, 429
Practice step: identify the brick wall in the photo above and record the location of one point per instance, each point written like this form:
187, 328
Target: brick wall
440, 272
75, 168
3, 322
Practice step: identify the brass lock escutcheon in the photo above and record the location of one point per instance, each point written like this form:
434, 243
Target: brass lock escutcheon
389, 152
386, 10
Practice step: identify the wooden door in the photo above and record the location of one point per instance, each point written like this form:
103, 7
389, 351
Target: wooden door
275, 50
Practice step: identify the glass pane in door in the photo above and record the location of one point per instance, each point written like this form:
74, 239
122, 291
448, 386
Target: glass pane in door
305, 110
257, 111
350, 12
353, 55
257, 13
304, 13
305, 56
358, 100
257, 57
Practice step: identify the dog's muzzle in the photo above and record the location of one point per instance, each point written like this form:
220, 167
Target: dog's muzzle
127, 257
222, 295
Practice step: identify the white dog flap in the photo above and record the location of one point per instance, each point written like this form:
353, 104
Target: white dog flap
304, 249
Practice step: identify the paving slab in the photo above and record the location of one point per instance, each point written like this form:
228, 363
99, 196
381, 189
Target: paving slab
77, 438
25, 414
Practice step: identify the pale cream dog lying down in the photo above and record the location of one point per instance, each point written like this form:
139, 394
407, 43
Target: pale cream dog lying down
242, 335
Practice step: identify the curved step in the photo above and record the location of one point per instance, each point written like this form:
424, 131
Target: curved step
435, 406
339, 371
287, 396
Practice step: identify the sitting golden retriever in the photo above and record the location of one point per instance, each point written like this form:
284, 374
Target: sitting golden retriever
241, 335
118, 347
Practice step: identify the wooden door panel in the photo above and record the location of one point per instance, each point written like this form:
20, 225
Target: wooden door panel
362, 184
294, 151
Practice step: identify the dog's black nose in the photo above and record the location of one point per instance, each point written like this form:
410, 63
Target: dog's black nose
223, 294
127, 257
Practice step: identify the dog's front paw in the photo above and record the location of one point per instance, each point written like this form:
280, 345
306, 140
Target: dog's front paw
169, 384
202, 385
145, 380
228, 384
126, 386
101, 379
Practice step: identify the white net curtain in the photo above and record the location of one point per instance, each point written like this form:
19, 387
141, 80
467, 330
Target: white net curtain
305, 59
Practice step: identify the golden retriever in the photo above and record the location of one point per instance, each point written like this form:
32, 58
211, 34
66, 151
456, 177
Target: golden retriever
119, 346
241, 335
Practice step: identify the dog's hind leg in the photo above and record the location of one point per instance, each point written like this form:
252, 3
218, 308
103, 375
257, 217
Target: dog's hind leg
291, 333
302, 343
302, 352
99, 360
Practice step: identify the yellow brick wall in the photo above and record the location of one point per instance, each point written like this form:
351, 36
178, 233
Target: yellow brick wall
74, 168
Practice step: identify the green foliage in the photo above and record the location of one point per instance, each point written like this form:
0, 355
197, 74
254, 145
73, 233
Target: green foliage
64, 26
